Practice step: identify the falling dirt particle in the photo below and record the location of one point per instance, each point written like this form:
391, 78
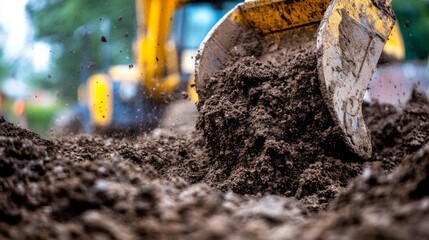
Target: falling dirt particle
91, 65
126, 34
49, 76
184, 95
103, 39
407, 23
130, 66
183, 152
157, 59
120, 18
192, 85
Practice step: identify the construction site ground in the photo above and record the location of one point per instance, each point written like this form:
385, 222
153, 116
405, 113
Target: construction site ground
265, 161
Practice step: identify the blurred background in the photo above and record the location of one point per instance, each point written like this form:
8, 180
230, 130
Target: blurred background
48, 48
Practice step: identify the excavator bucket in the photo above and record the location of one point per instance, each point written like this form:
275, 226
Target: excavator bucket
347, 35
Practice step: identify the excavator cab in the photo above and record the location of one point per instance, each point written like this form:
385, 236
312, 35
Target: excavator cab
191, 23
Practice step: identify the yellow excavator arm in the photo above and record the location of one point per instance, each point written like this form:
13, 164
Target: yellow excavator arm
156, 57
138, 92
157, 69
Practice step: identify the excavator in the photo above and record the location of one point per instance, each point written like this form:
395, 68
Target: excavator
348, 35
132, 98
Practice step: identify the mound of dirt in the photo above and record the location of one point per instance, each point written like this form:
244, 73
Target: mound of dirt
159, 187
95, 188
10, 131
397, 132
376, 206
267, 129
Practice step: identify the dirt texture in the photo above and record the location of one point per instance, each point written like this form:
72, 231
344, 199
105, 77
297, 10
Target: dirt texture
265, 162
376, 206
267, 129
95, 188
156, 187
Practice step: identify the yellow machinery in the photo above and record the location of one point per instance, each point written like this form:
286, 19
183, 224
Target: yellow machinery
168, 36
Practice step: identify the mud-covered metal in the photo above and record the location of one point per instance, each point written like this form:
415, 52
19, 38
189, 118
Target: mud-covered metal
350, 41
348, 35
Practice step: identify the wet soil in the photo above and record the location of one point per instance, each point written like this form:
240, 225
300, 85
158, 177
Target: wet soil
266, 127
268, 130
157, 187
265, 162
94, 188
376, 206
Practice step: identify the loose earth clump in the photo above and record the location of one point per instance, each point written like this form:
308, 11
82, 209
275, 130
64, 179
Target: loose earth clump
268, 130
88, 187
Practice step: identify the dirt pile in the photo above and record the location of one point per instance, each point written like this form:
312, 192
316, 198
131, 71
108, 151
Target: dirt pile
267, 129
377, 206
398, 132
320, 175
94, 188
264, 136
86, 187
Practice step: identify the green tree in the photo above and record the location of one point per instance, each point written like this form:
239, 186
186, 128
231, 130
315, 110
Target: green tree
3, 67
413, 18
74, 30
